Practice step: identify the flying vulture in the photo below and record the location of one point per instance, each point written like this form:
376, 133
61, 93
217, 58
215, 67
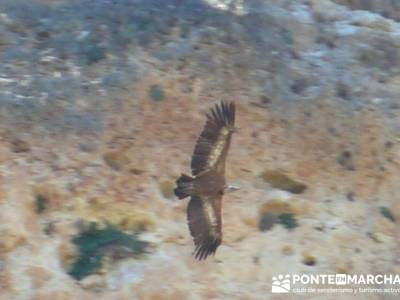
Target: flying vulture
207, 184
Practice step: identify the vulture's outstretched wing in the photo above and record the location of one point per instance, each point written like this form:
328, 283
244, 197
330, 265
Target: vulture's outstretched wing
204, 218
212, 146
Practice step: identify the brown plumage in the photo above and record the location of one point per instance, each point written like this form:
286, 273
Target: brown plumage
207, 185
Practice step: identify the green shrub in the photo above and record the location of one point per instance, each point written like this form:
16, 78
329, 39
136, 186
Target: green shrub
288, 220
40, 203
387, 214
94, 243
157, 93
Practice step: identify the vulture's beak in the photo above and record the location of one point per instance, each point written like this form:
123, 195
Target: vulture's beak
231, 188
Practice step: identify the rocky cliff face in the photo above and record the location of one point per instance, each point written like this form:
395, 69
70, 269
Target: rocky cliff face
102, 101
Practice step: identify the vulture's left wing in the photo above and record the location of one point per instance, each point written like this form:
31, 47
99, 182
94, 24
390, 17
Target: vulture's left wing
204, 218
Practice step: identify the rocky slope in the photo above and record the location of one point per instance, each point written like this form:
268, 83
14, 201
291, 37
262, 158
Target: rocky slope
102, 101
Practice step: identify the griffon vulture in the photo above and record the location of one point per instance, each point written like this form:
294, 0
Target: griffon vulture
207, 184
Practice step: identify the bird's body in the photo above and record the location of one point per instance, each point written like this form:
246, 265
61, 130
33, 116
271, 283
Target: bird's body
207, 185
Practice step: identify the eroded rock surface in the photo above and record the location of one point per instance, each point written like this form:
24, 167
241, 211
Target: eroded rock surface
102, 101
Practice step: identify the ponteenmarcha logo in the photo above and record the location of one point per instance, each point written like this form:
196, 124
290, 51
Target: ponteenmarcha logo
280, 284
347, 283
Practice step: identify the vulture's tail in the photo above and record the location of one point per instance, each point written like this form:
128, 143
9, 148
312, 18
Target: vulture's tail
184, 186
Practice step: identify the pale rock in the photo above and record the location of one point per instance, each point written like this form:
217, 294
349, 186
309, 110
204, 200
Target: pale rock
93, 283
327, 10
54, 295
372, 20
11, 238
7, 284
39, 276
301, 28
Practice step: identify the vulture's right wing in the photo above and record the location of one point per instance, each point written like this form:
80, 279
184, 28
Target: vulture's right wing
212, 146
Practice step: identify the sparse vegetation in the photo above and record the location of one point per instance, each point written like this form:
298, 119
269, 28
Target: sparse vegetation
309, 260
345, 159
40, 203
288, 220
281, 181
19, 146
387, 214
116, 160
92, 54
167, 188
267, 221
94, 243
157, 93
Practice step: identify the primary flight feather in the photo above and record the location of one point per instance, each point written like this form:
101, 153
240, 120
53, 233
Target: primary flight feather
207, 184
